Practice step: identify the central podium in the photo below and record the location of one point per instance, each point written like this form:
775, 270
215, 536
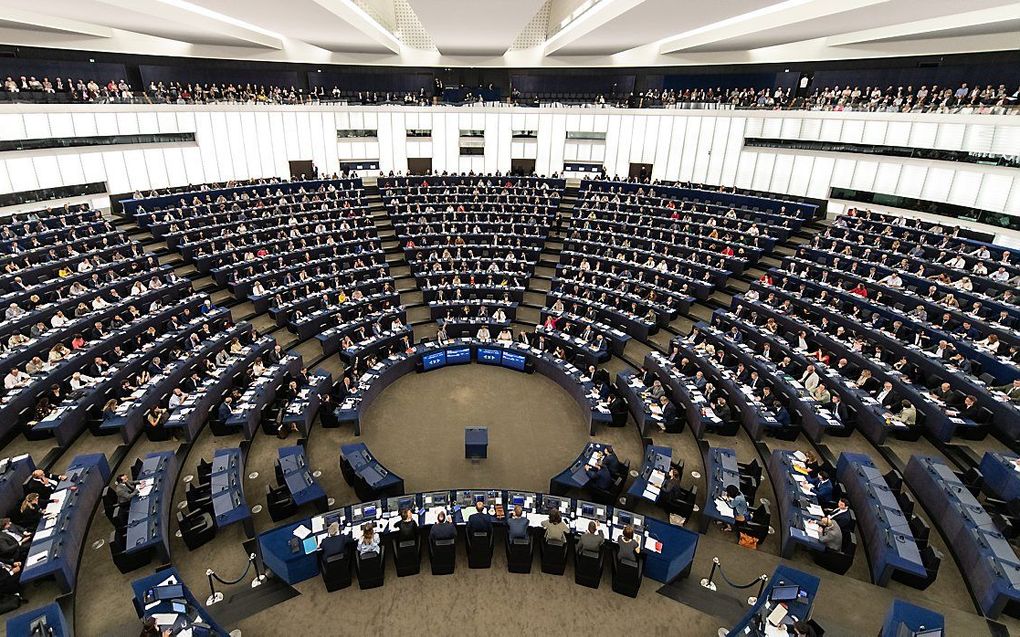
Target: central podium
476, 443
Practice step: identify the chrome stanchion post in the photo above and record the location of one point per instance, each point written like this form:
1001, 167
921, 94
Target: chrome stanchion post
707, 582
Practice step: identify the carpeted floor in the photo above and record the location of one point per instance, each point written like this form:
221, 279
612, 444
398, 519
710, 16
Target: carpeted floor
416, 428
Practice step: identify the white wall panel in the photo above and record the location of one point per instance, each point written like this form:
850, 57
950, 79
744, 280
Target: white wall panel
791, 128
874, 132
690, 148
155, 167
148, 124
705, 136
923, 134
821, 177
937, 183
106, 124
47, 171
853, 131
755, 126
5, 180
71, 171
665, 135
138, 174
173, 159
37, 125
772, 127
897, 134
745, 170
911, 180
843, 173
864, 175
800, 179
127, 123
116, 173
22, 174
763, 171
95, 171
832, 130
950, 136
993, 193
782, 172
12, 126
965, 187
810, 129
887, 177
61, 125
1007, 140
84, 124
734, 144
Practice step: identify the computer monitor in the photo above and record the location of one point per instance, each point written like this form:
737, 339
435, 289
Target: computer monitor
488, 356
514, 361
172, 591
436, 499
364, 511
550, 502
310, 544
394, 505
784, 593
518, 499
588, 510
458, 355
433, 360
623, 519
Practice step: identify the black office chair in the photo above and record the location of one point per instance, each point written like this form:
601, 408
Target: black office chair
371, 568
931, 559
443, 556
979, 430
895, 480
627, 576
758, 524
279, 502
751, 469
682, 503
204, 472
198, 498
136, 468
838, 561
973, 479
109, 498
588, 568
126, 562
906, 502
407, 557
479, 548
554, 556
197, 528
920, 531
219, 427
336, 570
519, 554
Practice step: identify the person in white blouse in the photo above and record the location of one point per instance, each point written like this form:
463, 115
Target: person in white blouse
505, 336
137, 288
99, 303
964, 284
58, 320
80, 381
1000, 275
483, 334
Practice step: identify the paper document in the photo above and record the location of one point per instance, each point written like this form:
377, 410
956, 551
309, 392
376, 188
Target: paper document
724, 508
657, 478
165, 619
653, 545
814, 509
302, 532
38, 558
651, 493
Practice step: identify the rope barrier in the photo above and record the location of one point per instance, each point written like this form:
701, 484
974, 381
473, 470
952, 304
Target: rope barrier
215, 596
709, 582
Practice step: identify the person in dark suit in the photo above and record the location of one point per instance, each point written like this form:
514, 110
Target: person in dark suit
480, 521
722, 410
841, 516
43, 483
14, 542
823, 489
886, 396
839, 410
226, 410
443, 529
601, 478
669, 416
407, 527
29, 513
971, 410
10, 574
613, 463
334, 543
782, 414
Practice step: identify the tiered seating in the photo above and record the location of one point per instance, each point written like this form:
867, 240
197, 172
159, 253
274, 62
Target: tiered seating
248, 403
472, 242
86, 309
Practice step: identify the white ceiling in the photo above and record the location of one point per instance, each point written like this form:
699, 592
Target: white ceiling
517, 33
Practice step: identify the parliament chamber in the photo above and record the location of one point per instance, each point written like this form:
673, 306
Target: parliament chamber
382, 315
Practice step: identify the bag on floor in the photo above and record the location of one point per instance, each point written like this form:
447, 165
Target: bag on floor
748, 541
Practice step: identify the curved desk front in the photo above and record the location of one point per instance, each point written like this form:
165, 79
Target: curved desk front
290, 550
428, 356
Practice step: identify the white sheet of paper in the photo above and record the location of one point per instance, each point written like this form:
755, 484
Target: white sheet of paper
302, 532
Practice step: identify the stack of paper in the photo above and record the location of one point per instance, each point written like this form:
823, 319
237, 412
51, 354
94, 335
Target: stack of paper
651, 493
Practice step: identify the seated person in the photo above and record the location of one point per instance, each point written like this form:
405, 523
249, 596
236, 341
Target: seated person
629, 548
443, 529
407, 527
907, 414
517, 525
601, 477
738, 502
479, 521
334, 543
369, 541
832, 535
555, 528
590, 540
14, 542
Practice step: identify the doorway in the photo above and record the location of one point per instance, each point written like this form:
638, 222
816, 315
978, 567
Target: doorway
522, 167
302, 168
640, 172
419, 165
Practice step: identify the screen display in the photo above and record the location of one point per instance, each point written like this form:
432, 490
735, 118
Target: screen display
513, 361
518, 500
458, 355
587, 510
368, 512
490, 356
432, 360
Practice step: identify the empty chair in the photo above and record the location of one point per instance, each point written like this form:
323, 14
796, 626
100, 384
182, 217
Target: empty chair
197, 528
279, 502
519, 554
751, 469
920, 531
136, 468
443, 556
479, 548
588, 568
109, 498
681, 502
895, 480
554, 556
198, 497
758, 524
906, 502
407, 557
973, 480
931, 559
371, 568
627, 575
204, 471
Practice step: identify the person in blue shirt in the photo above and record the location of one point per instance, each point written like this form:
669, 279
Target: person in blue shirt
823, 490
334, 543
369, 542
735, 498
517, 525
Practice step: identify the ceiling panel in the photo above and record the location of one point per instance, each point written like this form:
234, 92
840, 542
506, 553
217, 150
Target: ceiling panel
880, 15
653, 20
303, 20
474, 28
